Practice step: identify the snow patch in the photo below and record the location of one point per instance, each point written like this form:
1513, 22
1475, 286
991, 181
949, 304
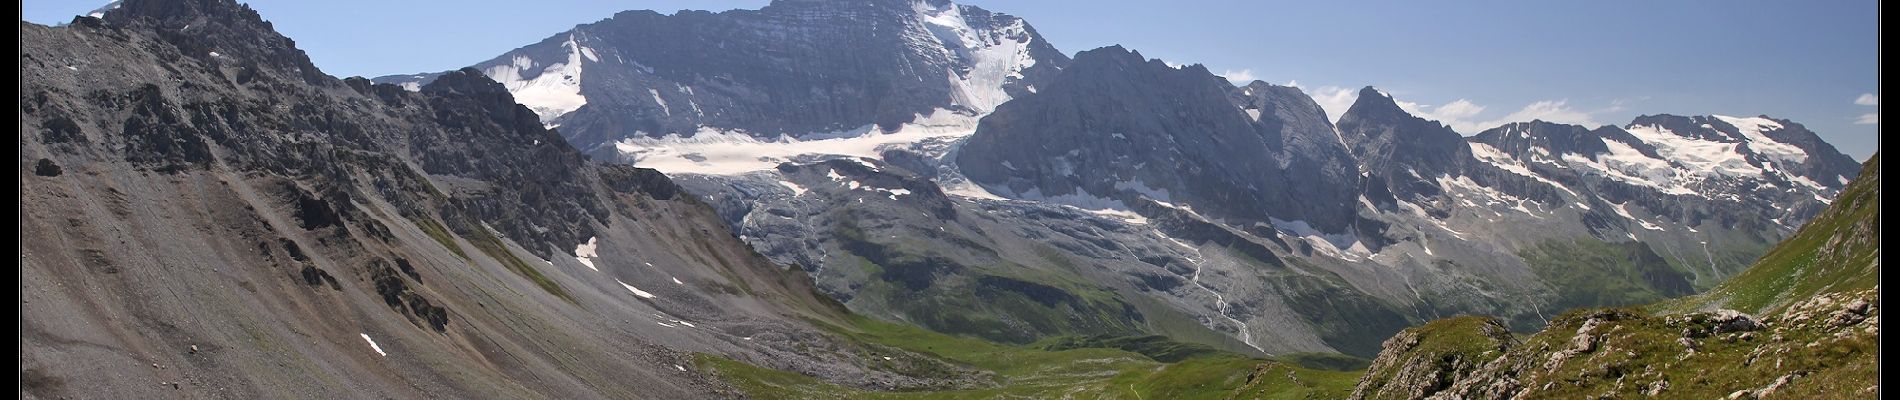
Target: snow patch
660, 101
373, 346
585, 253
796, 190
712, 151
994, 55
636, 291
1473, 194
1081, 200
1502, 160
1626, 164
1344, 246
1702, 158
102, 10
1752, 129
551, 93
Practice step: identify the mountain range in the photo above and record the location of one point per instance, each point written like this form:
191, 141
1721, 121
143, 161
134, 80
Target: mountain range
1401, 218
772, 202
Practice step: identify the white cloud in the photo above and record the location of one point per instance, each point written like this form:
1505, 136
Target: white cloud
1868, 119
1333, 99
1557, 111
1867, 99
1241, 77
1461, 114
1459, 109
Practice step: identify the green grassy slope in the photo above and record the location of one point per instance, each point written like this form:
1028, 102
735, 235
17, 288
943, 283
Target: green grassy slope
1060, 369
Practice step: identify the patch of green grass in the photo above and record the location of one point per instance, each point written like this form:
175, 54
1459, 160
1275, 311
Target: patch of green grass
1326, 361
491, 245
1155, 347
1587, 272
1028, 372
916, 282
440, 234
1639, 349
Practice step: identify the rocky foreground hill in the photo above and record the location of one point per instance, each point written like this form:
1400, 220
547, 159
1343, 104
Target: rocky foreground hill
1808, 327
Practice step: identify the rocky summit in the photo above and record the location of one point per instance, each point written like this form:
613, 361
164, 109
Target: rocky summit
790, 69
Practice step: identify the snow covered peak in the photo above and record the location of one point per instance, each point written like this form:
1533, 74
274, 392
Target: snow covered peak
991, 52
551, 90
102, 10
1703, 156
1753, 130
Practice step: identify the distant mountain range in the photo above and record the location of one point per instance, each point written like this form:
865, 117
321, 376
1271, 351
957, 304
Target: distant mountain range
976, 114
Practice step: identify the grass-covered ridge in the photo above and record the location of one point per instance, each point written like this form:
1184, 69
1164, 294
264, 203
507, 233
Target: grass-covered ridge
1419, 361
1814, 335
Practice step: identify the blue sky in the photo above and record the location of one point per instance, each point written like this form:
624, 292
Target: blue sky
1471, 64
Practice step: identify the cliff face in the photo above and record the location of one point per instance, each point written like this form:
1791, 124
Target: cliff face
1115, 128
205, 214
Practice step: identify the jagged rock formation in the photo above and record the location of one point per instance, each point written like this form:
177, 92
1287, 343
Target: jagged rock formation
1115, 128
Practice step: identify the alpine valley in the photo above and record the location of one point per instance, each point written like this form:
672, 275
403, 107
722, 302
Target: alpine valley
890, 199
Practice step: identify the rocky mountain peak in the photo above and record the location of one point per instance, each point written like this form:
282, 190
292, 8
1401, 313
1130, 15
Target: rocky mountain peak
1548, 137
789, 69
465, 81
217, 29
1115, 127
1408, 153
1372, 100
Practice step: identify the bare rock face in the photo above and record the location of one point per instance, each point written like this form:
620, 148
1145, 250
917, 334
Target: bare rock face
1403, 152
1116, 128
198, 184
